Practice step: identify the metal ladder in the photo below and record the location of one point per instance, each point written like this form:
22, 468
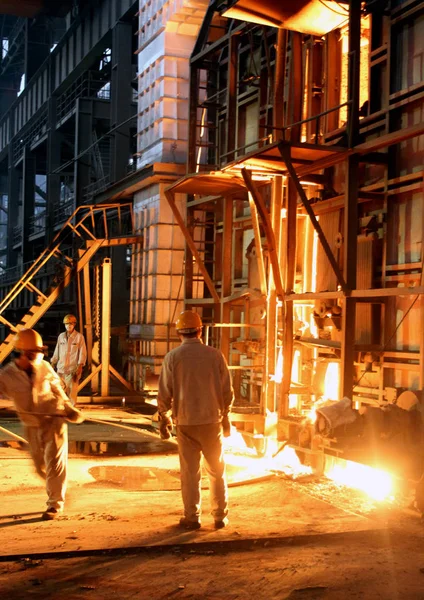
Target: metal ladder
83, 224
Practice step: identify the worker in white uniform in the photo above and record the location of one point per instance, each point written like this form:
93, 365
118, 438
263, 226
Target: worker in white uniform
69, 357
37, 393
195, 391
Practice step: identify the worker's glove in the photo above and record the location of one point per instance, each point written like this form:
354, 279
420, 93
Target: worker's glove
72, 414
165, 426
226, 426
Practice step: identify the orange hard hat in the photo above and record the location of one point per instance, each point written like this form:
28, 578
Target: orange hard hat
70, 319
30, 340
188, 322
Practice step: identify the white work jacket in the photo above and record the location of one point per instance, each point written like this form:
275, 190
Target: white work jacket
40, 393
195, 383
70, 353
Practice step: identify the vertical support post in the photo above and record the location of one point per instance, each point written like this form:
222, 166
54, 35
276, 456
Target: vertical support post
296, 100
53, 179
12, 208
272, 308
36, 47
192, 130
121, 98
227, 267
83, 139
280, 69
333, 69
231, 96
87, 312
106, 302
290, 250
354, 71
350, 252
28, 202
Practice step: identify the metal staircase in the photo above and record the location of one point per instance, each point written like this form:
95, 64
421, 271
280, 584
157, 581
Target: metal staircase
93, 226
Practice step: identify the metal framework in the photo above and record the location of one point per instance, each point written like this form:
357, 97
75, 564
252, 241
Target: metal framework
338, 160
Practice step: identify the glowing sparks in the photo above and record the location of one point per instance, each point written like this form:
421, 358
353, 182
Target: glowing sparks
374, 482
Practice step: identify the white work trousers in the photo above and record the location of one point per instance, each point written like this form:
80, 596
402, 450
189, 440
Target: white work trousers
48, 445
193, 441
70, 385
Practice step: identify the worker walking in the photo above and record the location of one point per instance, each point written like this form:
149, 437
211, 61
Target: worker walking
195, 385
69, 357
36, 390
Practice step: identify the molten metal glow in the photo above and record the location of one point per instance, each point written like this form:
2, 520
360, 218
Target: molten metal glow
331, 381
285, 461
374, 482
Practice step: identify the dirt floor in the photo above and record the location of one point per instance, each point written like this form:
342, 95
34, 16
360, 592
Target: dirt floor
306, 539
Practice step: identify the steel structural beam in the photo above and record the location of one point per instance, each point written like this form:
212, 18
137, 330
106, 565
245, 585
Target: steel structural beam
106, 314
269, 233
285, 152
190, 243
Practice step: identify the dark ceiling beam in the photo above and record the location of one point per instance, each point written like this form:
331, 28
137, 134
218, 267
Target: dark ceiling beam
31, 8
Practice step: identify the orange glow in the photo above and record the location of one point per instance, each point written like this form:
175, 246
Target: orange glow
374, 482
289, 463
285, 461
332, 381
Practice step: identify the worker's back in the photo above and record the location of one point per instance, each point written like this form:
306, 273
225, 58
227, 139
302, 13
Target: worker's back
196, 377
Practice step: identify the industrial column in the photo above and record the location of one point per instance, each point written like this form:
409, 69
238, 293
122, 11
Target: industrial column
83, 139
121, 98
53, 178
28, 202
105, 341
12, 209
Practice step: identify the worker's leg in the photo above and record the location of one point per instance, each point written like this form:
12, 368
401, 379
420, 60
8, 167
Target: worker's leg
36, 449
211, 436
190, 471
68, 387
73, 390
55, 435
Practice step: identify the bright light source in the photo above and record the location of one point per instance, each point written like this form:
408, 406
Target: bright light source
374, 482
316, 17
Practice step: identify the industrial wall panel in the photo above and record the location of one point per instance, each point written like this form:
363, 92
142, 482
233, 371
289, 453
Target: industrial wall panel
78, 44
408, 48
63, 63
95, 27
86, 36
56, 67
71, 53
45, 85
104, 20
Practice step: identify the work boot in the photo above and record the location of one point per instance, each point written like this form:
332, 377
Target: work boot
189, 525
221, 523
50, 514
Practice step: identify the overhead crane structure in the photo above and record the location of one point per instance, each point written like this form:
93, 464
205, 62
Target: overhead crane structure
91, 228
281, 187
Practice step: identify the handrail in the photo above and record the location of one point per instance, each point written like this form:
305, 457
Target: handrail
54, 247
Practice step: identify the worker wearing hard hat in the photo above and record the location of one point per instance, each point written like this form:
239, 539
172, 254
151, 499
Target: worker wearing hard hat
43, 408
195, 384
69, 357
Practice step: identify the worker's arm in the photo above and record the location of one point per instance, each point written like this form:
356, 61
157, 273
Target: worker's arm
165, 391
226, 385
55, 356
82, 358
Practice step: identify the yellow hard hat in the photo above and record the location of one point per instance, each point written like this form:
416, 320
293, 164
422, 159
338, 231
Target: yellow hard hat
28, 339
70, 319
188, 322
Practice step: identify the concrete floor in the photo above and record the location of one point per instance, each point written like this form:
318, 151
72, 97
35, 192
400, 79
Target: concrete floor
303, 540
